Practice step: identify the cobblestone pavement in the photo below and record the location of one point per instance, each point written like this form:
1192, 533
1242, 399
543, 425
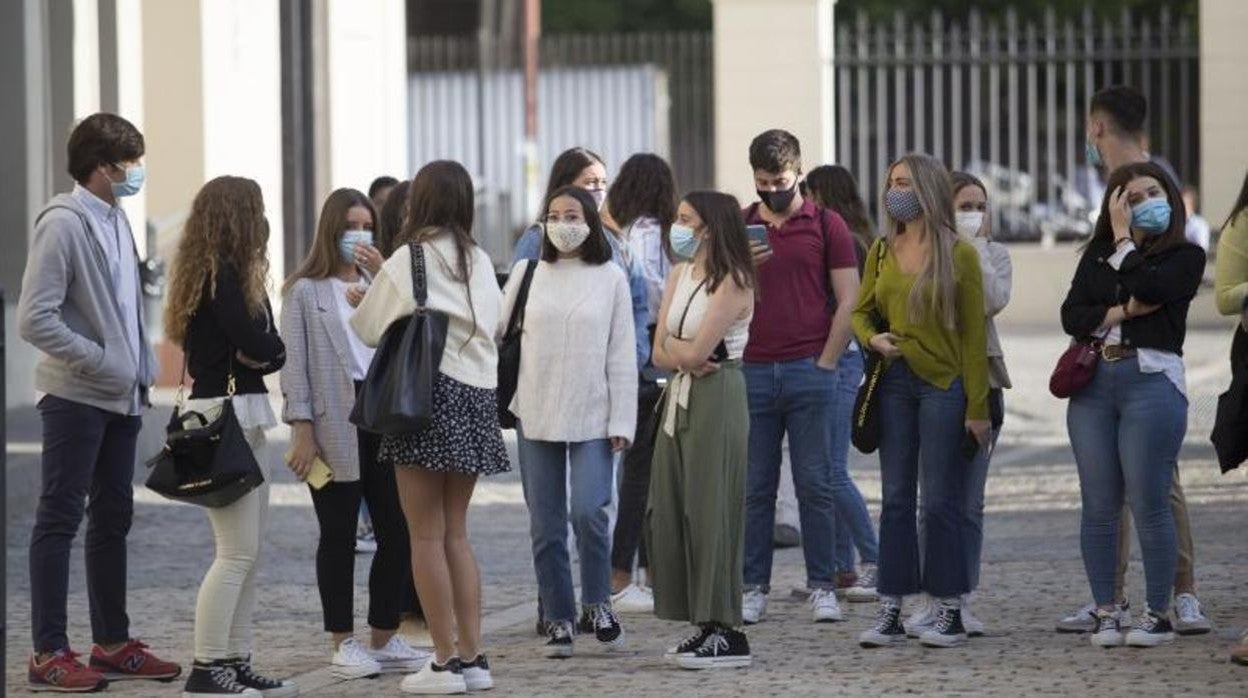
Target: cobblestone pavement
1032, 575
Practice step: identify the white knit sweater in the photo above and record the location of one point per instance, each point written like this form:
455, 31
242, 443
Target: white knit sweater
578, 362
470, 355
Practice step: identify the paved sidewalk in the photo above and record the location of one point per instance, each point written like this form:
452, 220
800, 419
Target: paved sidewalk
1032, 575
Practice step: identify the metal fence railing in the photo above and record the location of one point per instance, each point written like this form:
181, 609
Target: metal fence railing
1006, 99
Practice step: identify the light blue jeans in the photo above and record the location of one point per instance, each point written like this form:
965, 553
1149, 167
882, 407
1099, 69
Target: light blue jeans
853, 521
1126, 428
544, 474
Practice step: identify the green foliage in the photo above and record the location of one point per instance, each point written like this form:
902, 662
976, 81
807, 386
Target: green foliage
566, 16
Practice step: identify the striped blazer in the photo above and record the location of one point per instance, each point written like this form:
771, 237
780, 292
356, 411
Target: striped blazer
316, 381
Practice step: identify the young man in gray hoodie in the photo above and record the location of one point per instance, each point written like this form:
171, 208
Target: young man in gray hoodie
81, 306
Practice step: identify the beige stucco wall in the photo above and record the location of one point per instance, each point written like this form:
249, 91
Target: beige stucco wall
772, 70
1223, 104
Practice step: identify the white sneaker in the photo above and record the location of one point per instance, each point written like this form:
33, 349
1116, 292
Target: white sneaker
1106, 630
633, 599
477, 674
352, 661
923, 619
436, 680
1084, 620
863, 590
753, 607
823, 606
1188, 618
398, 656
974, 626
1150, 630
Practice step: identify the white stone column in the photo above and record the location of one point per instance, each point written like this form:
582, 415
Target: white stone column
1223, 105
366, 43
773, 69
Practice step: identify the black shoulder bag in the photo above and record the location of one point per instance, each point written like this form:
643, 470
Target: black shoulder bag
205, 463
509, 351
397, 394
866, 426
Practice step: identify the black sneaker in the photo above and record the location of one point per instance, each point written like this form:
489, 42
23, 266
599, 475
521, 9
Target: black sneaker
690, 644
559, 644
217, 678
607, 626
1106, 629
888, 629
1151, 630
724, 648
585, 626
270, 688
948, 631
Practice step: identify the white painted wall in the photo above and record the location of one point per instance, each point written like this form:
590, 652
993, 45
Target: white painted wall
773, 69
1223, 105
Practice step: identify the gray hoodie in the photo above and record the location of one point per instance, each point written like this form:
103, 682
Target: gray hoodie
69, 311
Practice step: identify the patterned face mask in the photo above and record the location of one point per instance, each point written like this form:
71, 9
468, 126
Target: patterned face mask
903, 205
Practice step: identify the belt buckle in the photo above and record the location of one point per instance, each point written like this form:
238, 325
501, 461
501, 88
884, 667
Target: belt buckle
1110, 356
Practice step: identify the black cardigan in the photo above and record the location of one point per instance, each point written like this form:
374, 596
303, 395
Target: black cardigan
1169, 278
222, 325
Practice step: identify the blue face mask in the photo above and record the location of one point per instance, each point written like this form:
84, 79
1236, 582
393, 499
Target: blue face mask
133, 182
1092, 154
1151, 217
684, 241
348, 241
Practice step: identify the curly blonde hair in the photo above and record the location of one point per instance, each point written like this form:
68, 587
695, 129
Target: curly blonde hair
226, 227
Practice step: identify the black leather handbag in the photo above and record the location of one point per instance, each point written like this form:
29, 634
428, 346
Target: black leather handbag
509, 352
397, 394
866, 423
207, 463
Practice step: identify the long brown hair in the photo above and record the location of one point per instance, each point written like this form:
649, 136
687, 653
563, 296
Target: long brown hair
729, 255
226, 228
1153, 244
834, 187
936, 285
440, 201
323, 258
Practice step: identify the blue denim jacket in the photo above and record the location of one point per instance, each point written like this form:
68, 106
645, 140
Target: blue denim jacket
529, 246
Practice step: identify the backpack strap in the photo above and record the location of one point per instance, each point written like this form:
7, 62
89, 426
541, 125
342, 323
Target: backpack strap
420, 283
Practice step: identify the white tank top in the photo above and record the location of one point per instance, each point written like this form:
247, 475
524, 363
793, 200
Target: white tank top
689, 306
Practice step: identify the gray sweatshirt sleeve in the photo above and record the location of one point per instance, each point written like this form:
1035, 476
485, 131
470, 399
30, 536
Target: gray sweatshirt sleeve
49, 272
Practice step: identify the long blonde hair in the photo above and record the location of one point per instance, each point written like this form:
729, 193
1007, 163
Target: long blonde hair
226, 227
934, 294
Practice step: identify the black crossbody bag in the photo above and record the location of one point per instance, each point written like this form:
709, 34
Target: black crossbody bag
866, 426
509, 351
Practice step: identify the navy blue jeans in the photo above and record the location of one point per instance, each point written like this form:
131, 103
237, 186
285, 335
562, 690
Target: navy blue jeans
793, 398
1126, 428
921, 422
88, 455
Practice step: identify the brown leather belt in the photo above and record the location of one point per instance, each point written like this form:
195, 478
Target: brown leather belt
1117, 352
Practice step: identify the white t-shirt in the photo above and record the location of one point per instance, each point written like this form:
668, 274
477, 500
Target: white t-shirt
361, 355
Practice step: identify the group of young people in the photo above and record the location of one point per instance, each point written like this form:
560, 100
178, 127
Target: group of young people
670, 347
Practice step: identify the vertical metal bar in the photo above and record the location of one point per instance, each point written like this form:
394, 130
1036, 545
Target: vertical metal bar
882, 142
1188, 80
1163, 34
1073, 136
1089, 57
1050, 107
1011, 105
843, 77
938, 92
865, 129
1033, 107
957, 157
994, 107
899, 85
975, 64
1146, 53
1124, 20
918, 74
1108, 52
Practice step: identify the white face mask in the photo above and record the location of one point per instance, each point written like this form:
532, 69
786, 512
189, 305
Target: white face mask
969, 222
567, 237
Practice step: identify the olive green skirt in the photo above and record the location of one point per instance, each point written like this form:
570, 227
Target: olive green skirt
695, 517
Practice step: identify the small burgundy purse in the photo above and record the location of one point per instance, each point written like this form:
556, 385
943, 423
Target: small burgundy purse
1075, 368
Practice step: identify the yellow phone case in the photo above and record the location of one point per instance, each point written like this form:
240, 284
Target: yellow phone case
320, 474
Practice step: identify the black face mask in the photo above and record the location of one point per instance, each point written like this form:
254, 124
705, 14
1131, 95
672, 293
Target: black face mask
778, 201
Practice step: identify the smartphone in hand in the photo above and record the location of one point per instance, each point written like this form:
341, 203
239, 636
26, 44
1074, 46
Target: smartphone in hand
758, 233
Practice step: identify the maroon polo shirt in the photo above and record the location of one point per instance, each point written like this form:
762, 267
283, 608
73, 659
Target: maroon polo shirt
793, 314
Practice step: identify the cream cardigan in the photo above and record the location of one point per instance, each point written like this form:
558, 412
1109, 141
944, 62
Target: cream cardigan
578, 362
470, 356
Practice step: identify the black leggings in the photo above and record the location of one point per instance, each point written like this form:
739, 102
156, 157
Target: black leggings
338, 509
635, 484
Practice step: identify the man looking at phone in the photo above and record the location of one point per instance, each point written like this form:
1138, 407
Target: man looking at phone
81, 307
806, 267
